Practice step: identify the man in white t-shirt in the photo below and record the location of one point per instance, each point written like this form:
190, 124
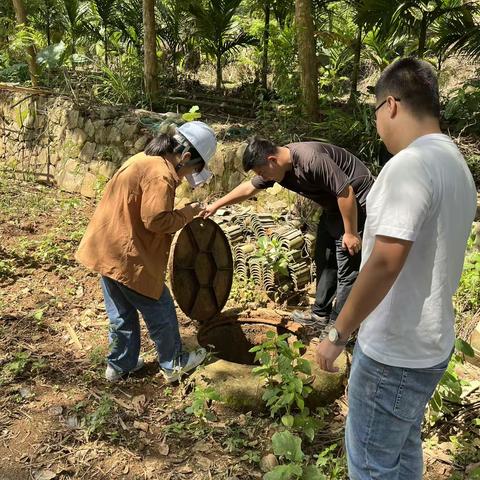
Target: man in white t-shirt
419, 215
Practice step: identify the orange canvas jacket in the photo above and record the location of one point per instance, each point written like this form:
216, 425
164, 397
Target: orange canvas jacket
129, 236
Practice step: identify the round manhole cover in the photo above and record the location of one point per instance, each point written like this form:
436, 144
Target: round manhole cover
201, 269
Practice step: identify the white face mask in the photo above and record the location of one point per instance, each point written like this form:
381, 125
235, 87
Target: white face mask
196, 179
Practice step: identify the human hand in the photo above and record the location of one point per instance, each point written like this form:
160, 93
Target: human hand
194, 209
326, 353
209, 210
352, 243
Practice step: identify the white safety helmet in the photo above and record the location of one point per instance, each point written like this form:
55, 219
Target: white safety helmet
202, 138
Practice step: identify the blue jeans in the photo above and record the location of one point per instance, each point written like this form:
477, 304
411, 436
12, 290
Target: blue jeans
386, 410
122, 305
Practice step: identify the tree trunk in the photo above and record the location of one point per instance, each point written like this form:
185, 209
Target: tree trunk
266, 37
219, 70
174, 54
422, 39
21, 17
105, 43
307, 58
356, 64
48, 22
74, 45
150, 50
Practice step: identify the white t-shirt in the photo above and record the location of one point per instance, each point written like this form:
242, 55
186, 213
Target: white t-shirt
424, 194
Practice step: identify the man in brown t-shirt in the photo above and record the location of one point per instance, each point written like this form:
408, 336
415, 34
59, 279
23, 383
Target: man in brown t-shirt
336, 180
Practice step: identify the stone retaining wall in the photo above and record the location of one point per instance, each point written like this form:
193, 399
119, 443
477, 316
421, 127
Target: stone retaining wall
79, 148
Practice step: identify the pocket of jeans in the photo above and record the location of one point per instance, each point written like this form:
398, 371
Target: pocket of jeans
414, 391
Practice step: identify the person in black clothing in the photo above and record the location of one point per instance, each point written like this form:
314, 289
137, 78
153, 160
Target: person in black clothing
336, 180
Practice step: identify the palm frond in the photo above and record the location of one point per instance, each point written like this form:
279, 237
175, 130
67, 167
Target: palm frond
456, 37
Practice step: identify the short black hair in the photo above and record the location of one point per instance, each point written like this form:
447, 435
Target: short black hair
415, 83
163, 143
256, 153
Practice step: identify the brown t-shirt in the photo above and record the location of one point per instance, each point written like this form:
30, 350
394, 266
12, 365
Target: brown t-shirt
320, 172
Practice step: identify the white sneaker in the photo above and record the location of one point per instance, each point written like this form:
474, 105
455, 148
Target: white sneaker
113, 375
195, 358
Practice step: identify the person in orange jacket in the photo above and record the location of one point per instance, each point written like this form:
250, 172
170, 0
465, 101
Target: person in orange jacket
128, 242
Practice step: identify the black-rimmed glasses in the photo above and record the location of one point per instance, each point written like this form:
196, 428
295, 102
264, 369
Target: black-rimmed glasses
384, 102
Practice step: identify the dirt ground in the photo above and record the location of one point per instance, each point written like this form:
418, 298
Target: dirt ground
59, 418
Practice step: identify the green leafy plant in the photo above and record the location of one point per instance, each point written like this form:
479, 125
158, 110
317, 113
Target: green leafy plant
97, 356
251, 456
473, 162
449, 389
330, 463
465, 449
273, 253
245, 291
192, 114
201, 398
467, 297
288, 448
355, 131
461, 110
286, 376
97, 423
15, 367
53, 251
121, 83
52, 56
286, 80
7, 268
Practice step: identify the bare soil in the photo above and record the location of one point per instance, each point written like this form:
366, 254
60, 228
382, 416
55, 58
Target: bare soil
59, 418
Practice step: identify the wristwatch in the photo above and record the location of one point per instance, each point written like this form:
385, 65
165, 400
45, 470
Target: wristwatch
334, 337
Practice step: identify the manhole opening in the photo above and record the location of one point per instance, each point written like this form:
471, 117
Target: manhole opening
232, 341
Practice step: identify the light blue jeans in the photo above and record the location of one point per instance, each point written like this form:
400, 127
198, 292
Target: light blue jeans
122, 305
386, 410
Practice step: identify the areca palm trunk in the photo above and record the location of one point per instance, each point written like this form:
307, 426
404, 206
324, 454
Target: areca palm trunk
150, 50
422, 39
21, 17
105, 42
266, 37
219, 66
356, 64
307, 58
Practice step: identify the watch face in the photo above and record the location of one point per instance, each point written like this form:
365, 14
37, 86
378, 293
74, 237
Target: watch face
333, 335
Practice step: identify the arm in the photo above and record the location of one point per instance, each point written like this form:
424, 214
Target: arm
324, 172
157, 212
347, 204
171, 222
372, 285
242, 192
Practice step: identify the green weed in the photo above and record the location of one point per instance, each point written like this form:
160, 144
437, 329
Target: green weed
201, 399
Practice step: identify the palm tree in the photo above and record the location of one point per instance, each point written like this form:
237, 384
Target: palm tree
105, 9
47, 18
266, 36
21, 17
150, 49
307, 57
219, 33
129, 23
75, 11
283, 10
171, 18
460, 34
418, 16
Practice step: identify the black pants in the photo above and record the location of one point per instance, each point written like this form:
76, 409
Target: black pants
336, 268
